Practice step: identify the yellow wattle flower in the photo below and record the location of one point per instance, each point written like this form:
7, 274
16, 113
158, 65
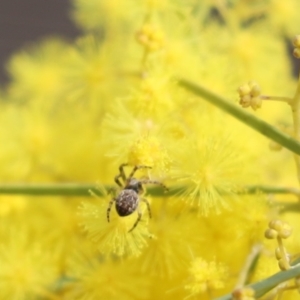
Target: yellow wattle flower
114, 238
149, 151
206, 277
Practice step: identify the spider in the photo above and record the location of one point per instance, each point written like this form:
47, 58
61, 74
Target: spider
127, 201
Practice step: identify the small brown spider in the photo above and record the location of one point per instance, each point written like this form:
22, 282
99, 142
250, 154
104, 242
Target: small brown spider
127, 201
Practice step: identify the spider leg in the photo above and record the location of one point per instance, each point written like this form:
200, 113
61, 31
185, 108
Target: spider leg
109, 208
148, 206
111, 190
117, 181
121, 175
149, 181
137, 168
138, 218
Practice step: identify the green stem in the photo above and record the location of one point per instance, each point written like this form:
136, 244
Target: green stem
276, 98
48, 189
82, 189
295, 105
253, 189
71, 189
250, 261
249, 119
285, 264
288, 207
262, 287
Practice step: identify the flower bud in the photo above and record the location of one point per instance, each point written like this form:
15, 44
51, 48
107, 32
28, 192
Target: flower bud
296, 41
296, 52
283, 264
276, 225
244, 293
250, 95
271, 234
244, 90
255, 89
256, 102
245, 101
284, 234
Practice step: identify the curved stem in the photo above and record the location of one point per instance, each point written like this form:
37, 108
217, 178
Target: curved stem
262, 287
283, 254
276, 98
296, 121
251, 258
249, 119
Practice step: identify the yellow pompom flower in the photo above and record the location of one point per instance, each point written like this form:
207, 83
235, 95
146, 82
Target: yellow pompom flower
209, 169
169, 251
118, 16
76, 157
38, 72
280, 11
155, 96
108, 99
150, 37
94, 277
135, 139
87, 71
28, 266
15, 165
149, 151
114, 237
12, 204
99, 14
206, 277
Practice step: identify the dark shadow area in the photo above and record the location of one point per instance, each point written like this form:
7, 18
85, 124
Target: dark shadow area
26, 21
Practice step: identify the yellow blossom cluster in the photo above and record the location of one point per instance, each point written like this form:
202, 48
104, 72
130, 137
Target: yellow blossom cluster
250, 95
73, 112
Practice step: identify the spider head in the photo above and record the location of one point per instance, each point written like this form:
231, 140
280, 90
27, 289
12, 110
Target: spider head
134, 184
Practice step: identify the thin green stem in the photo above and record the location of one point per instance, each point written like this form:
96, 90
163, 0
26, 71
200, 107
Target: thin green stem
48, 189
277, 98
71, 189
82, 189
249, 119
283, 253
262, 287
288, 207
250, 260
295, 105
270, 190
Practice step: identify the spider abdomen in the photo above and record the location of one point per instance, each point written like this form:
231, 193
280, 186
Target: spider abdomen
127, 202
